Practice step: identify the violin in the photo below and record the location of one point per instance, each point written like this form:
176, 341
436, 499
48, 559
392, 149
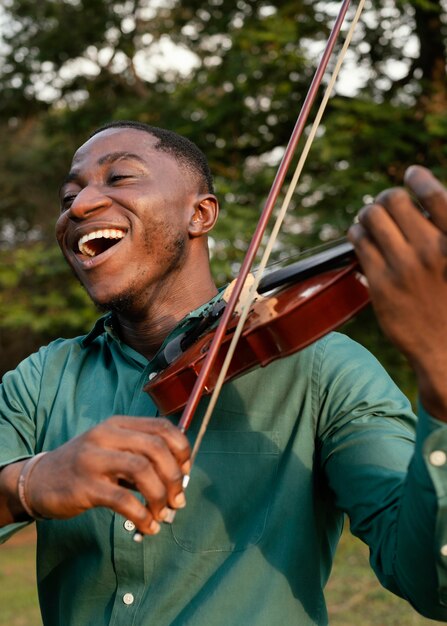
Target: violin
294, 307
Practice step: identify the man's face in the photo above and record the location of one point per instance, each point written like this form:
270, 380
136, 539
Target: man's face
125, 209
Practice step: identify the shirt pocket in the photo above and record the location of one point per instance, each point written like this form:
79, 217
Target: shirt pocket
229, 493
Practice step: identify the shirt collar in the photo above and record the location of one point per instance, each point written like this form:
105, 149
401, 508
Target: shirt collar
105, 323
97, 330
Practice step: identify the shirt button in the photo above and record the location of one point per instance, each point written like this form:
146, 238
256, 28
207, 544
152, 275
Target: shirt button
438, 458
128, 598
444, 550
129, 525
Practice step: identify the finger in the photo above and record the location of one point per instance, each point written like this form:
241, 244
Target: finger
430, 192
123, 502
155, 449
414, 226
140, 472
384, 233
162, 483
370, 257
423, 236
175, 440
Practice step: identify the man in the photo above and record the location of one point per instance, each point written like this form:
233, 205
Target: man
291, 446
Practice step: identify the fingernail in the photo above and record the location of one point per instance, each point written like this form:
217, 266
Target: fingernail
185, 481
163, 514
154, 527
422, 181
170, 516
180, 500
138, 537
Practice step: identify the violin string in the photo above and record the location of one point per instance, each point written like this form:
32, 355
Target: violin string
284, 261
273, 236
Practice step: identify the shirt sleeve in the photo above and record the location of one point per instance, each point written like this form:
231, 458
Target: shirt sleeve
19, 393
387, 471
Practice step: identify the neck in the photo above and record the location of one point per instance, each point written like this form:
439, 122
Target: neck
144, 328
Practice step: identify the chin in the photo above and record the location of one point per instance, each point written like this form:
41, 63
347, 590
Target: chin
118, 304
127, 304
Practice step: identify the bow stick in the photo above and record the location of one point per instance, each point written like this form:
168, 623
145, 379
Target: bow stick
263, 222
269, 246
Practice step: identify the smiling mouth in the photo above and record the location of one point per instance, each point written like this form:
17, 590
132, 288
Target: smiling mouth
98, 241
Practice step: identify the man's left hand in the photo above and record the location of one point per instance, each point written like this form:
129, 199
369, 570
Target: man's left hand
404, 257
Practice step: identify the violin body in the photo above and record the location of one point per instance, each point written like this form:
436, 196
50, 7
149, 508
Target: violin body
278, 325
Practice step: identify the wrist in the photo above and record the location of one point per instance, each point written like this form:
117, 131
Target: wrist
433, 396
23, 484
11, 509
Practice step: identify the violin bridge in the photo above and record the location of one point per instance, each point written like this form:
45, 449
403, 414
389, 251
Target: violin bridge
243, 295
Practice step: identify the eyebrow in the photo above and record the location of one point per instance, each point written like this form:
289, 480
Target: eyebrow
106, 159
115, 156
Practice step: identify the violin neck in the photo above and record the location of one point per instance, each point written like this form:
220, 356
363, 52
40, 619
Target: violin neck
330, 259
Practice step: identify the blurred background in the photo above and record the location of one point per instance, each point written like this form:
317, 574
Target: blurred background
231, 76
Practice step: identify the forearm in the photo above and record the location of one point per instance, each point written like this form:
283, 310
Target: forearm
11, 509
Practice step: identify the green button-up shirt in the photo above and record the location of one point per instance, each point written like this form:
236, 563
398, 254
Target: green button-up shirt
290, 448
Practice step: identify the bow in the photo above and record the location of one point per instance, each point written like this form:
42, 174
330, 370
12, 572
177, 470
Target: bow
278, 182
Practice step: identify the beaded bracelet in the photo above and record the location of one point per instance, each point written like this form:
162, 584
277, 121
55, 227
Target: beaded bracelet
23, 484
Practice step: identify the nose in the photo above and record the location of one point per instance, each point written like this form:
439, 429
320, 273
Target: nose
88, 201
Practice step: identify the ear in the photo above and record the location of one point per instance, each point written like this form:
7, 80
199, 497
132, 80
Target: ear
204, 216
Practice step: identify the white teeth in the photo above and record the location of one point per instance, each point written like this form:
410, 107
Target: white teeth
105, 233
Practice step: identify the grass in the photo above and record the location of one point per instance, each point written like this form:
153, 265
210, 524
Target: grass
18, 596
353, 594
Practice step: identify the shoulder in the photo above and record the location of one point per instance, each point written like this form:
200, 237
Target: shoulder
342, 362
353, 384
336, 354
51, 355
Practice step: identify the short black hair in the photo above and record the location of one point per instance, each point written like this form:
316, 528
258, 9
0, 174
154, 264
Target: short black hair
182, 149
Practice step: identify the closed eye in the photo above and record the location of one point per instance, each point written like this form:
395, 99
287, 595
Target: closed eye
67, 201
116, 178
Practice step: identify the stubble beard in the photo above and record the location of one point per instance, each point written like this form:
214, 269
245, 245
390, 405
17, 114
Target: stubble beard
133, 301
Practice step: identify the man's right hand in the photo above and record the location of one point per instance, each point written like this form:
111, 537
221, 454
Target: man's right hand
101, 468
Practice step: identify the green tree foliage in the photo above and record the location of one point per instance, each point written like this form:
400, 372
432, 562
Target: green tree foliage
37, 302
234, 84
